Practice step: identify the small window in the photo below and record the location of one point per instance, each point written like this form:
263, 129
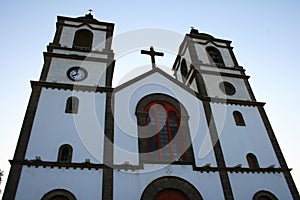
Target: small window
72, 105
215, 56
183, 68
83, 39
65, 153
227, 88
238, 118
252, 161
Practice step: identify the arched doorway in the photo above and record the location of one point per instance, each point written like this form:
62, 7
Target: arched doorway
170, 188
170, 194
59, 198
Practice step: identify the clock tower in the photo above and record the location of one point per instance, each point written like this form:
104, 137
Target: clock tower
66, 109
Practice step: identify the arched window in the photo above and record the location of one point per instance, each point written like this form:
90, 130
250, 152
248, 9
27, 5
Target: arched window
164, 138
252, 161
72, 105
83, 39
264, 195
65, 153
238, 118
215, 56
163, 130
59, 194
183, 69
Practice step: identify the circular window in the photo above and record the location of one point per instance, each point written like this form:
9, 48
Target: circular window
227, 88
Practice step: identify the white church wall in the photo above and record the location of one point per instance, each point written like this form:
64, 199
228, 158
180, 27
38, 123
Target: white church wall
126, 130
238, 141
68, 33
59, 67
212, 85
208, 184
53, 127
244, 186
44, 180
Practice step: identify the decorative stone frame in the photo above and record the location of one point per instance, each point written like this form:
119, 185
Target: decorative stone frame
184, 128
58, 192
238, 118
60, 152
264, 193
170, 182
87, 35
212, 50
72, 105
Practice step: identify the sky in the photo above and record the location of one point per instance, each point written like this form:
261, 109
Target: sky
264, 34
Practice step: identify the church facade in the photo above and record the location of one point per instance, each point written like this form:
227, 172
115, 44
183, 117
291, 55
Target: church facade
199, 134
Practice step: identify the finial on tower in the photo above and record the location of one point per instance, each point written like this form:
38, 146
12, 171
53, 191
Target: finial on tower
90, 11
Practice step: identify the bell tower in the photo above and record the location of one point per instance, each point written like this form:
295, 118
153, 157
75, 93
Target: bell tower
238, 125
61, 143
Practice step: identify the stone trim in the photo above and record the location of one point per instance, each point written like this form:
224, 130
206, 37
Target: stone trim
77, 57
232, 55
235, 68
52, 46
109, 74
65, 86
264, 193
46, 67
279, 155
15, 171
250, 91
58, 192
227, 190
231, 101
197, 36
242, 76
170, 182
107, 181
84, 19
50, 164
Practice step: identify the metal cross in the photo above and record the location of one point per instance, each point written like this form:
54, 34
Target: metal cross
90, 10
152, 54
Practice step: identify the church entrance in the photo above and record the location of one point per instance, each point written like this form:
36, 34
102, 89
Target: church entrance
170, 194
59, 198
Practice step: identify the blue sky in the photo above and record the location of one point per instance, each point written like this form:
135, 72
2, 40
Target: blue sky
265, 37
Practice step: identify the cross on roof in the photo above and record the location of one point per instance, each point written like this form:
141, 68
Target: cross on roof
90, 10
152, 54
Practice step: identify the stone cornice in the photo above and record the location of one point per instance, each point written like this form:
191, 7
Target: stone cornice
71, 87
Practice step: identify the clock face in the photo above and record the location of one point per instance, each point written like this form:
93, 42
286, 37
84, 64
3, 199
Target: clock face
77, 73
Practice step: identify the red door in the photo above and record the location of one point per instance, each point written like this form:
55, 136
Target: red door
170, 194
59, 198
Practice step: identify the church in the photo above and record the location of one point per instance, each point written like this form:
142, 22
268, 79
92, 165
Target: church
198, 134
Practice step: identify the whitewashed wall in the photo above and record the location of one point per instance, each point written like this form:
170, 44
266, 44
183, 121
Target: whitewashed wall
44, 180
59, 67
238, 141
208, 184
53, 127
212, 85
126, 130
244, 186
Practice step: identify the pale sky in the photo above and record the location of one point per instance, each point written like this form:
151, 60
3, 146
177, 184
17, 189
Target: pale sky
265, 36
